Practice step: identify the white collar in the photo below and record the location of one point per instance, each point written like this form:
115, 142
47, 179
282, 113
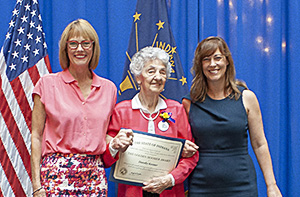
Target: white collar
136, 104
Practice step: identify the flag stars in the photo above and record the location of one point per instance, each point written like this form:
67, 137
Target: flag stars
45, 45
33, 13
15, 12
21, 30
24, 19
39, 28
38, 39
18, 42
183, 80
29, 36
12, 67
23, 46
7, 36
136, 16
160, 25
24, 58
40, 17
32, 24
12, 23
27, 7
36, 52
173, 50
27, 47
15, 54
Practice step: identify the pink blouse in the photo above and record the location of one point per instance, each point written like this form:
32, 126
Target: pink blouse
74, 124
126, 115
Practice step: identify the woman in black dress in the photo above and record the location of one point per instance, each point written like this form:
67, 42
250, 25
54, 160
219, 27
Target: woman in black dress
221, 110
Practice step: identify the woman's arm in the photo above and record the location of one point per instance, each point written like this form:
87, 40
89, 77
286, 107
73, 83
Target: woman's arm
38, 124
259, 142
190, 148
187, 105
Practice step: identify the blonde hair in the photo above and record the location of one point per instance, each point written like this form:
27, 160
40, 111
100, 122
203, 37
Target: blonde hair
85, 29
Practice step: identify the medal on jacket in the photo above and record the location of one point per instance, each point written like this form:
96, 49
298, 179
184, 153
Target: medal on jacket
165, 123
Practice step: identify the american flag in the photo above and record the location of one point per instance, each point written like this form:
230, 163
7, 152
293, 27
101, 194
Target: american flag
23, 60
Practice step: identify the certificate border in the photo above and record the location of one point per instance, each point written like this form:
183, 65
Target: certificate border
111, 176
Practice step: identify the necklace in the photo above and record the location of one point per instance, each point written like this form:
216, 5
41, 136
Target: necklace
151, 128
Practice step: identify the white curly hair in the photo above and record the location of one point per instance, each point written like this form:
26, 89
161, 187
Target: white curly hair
146, 54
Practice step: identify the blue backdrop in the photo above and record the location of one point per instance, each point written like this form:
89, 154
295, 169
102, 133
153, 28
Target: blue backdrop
263, 36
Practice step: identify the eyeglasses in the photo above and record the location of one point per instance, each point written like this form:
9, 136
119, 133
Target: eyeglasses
217, 58
86, 44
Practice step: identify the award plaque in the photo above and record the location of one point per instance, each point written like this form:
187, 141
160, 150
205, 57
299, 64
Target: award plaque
149, 156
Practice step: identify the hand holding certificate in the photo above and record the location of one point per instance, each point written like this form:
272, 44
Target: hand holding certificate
150, 156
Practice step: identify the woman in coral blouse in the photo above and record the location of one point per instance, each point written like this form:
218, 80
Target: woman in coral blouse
151, 68
70, 118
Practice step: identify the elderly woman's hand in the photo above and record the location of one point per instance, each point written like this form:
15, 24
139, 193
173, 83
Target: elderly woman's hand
122, 140
189, 149
158, 184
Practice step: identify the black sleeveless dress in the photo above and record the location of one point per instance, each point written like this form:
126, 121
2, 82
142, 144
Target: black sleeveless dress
224, 167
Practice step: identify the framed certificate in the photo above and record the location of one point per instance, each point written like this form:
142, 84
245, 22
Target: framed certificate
150, 156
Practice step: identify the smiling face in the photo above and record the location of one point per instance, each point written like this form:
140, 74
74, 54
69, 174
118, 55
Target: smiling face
214, 66
79, 56
153, 78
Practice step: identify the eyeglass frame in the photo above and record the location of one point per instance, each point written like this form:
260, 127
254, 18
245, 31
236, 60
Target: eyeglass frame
216, 58
80, 43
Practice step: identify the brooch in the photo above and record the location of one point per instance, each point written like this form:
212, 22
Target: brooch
166, 119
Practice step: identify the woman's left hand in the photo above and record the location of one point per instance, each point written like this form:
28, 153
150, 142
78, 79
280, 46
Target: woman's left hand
273, 191
158, 184
189, 149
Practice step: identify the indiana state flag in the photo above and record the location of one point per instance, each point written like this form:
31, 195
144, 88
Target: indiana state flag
151, 28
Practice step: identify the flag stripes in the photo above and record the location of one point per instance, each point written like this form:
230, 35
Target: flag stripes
18, 140
10, 173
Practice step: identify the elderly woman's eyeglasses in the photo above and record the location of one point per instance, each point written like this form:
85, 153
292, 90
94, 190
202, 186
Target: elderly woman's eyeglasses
86, 44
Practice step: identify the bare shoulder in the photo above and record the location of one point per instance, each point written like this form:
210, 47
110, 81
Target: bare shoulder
249, 95
250, 100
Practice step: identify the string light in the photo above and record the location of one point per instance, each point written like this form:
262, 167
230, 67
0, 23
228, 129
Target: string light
259, 39
269, 20
267, 49
220, 2
230, 4
283, 46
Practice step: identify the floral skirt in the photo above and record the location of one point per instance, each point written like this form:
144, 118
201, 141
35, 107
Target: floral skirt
73, 175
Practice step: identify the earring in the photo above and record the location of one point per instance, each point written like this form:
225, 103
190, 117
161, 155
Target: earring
139, 85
